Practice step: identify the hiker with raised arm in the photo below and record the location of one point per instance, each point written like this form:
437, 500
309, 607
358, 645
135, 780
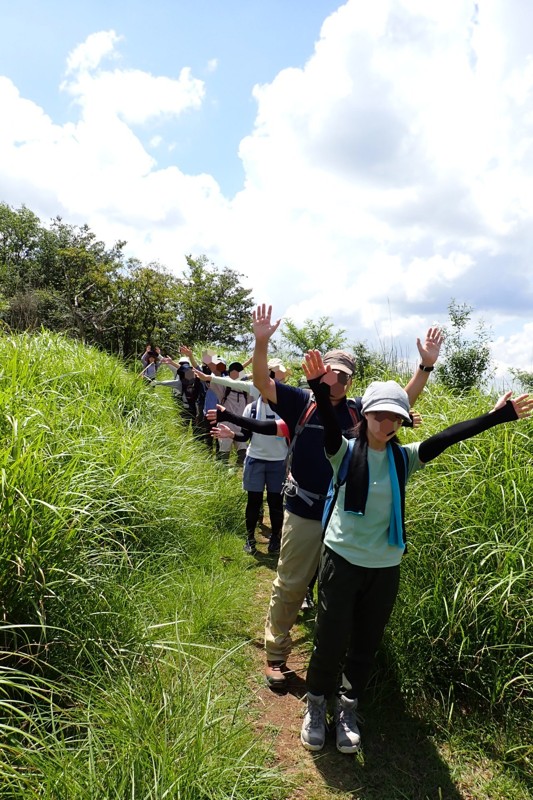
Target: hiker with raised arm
364, 540
309, 475
264, 465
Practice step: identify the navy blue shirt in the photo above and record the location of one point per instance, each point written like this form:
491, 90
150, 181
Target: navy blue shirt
310, 467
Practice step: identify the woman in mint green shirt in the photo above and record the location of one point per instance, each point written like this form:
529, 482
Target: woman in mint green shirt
364, 541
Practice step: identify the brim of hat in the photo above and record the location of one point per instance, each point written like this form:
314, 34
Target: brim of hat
392, 407
340, 368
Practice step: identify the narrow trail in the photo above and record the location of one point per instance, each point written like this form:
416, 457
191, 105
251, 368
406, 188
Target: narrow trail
402, 758
278, 716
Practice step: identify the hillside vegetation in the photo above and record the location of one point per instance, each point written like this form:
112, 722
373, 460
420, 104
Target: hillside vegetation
126, 601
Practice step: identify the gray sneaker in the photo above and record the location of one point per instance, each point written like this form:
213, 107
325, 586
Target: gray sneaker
346, 728
313, 733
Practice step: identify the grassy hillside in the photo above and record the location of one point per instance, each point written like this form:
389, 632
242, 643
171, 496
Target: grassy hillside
122, 585
126, 596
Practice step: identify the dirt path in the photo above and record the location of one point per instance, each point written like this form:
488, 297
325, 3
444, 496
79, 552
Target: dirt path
402, 758
279, 715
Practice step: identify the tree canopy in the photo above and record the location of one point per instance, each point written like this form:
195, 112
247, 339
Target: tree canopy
63, 278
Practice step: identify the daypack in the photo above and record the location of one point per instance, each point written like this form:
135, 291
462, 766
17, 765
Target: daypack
354, 407
189, 384
227, 393
342, 474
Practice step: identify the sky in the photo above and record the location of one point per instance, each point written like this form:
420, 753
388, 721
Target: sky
367, 162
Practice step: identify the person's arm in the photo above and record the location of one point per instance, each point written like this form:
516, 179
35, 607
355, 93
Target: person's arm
268, 427
505, 410
223, 380
429, 353
314, 369
174, 384
170, 362
263, 329
186, 351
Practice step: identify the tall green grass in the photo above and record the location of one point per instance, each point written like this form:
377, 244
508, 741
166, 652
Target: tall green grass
122, 585
120, 661
464, 623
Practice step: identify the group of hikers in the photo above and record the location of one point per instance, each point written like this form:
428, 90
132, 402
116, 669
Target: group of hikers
335, 474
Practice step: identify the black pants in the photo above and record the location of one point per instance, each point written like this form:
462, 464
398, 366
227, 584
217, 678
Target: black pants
354, 606
254, 504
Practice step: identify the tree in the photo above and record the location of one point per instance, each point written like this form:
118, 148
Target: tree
146, 310
369, 365
213, 306
319, 335
20, 244
525, 379
466, 362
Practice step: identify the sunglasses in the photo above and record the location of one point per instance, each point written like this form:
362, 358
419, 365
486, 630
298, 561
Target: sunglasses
342, 377
381, 416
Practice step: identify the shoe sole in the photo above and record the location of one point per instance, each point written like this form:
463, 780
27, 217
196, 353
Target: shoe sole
313, 747
351, 749
277, 686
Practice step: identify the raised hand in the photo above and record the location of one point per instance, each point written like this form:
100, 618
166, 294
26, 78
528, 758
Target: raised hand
262, 324
222, 431
313, 366
185, 351
199, 374
416, 418
211, 415
429, 351
523, 404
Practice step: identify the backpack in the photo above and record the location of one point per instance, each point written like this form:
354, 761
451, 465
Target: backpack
227, 393
354, 407
342, 474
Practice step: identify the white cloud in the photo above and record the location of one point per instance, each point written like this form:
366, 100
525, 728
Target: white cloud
88, 55
390, 174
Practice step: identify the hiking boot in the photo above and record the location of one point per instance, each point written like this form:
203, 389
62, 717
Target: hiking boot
249, 547
273, 545
307, 603
313, 733
346, 728
276, 674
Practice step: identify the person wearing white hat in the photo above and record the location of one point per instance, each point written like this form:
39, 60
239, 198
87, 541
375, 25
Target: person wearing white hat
364, 540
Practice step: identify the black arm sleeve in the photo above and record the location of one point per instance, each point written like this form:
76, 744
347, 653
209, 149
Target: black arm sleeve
332, 429
435, 445
243, 436
267, 427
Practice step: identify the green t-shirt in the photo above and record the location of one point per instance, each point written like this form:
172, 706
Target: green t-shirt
364, 539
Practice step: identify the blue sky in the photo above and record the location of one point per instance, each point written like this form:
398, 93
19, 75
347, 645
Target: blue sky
251, 41
363, 161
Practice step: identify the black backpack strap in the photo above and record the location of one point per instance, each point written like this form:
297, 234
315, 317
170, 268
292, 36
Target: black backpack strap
334, 488
400, 462
307, 412
355, 407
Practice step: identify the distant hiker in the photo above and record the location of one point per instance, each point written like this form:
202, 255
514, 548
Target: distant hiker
264, 465
233, 394
150, 359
